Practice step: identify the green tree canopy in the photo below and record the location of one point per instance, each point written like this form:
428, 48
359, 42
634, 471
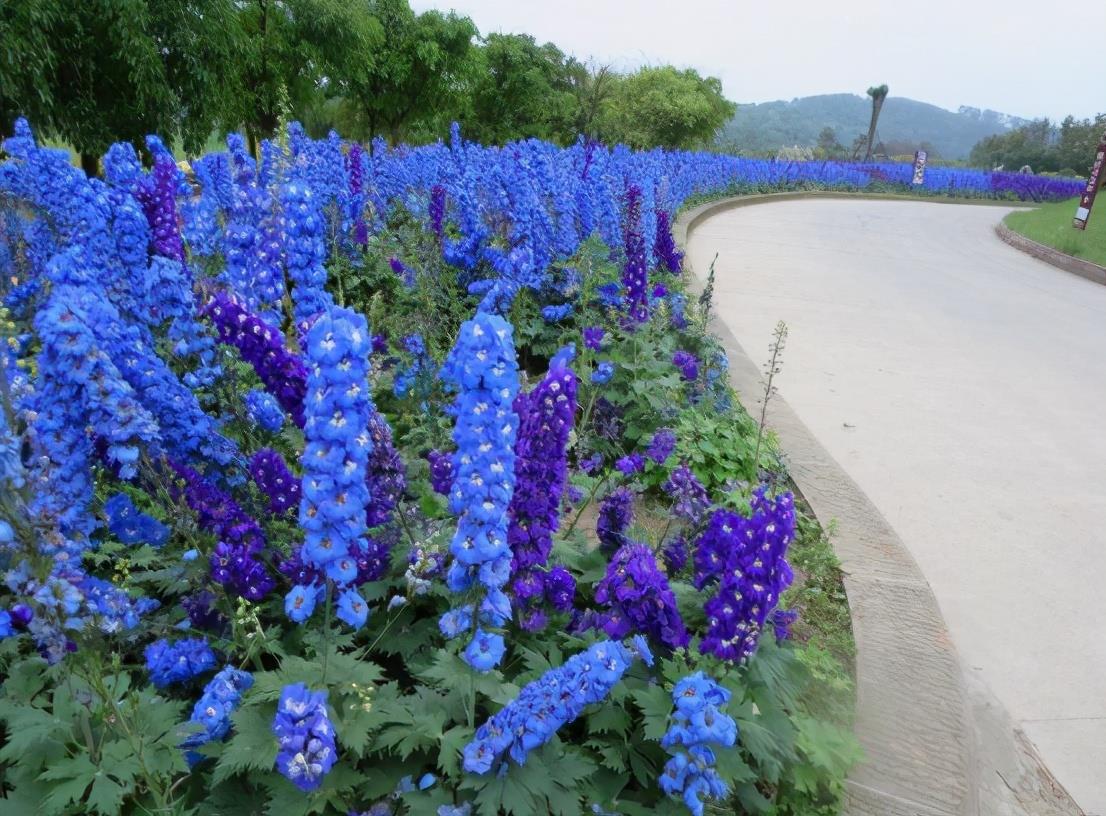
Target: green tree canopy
97, 71
522, 90
665, 107
410, 84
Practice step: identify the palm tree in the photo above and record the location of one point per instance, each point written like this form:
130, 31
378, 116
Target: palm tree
878, 94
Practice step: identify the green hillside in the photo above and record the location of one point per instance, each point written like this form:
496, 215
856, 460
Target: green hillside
770, 125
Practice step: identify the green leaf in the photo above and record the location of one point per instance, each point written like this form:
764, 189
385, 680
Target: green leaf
29, 730
452, 743
69, 778
609, 719
655, 704
252, 747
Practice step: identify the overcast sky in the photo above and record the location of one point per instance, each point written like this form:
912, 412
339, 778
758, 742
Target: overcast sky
1024, 57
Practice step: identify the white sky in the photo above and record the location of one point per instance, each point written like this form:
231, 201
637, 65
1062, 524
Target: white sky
1024, 57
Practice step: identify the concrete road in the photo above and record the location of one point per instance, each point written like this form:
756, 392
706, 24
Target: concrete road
962, 384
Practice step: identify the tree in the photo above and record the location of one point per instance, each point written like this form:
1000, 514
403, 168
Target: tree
294, 51
98, 71
878, 94
522, 90
592, 87
414, 76
828, 143
665, 107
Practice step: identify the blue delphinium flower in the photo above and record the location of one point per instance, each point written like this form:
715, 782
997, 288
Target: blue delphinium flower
130, 526
178, 662
264, 411
593, 337
305, 736
406, 378
555, 314
304, 251
110, 608
485, 650
697, 722
220, 698
337, 445
483, 370
300, 602
352, 608
603, 373
556, 698
6, 628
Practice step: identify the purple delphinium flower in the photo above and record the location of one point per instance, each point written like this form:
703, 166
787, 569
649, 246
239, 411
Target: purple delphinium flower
662, 446
235, 562
305, 737
690, 500
546, 416
747, 557
674, 555
688, 364
638, 598
782, 621
282, 372
616, 511
606, 419
441, 471
271, 474
593, 337
436, 210
635, 274
386, 477
403, 272
631, 464
664, 247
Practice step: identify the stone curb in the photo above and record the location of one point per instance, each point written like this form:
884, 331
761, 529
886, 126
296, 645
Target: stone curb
934, 746
1061, 260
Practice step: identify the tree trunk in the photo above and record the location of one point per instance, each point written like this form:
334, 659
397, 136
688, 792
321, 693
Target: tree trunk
90, 163
877, 104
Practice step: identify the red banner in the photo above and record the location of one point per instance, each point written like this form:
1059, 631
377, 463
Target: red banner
1086, 201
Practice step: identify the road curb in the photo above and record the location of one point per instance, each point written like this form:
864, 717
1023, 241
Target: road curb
1061, 260
934, 746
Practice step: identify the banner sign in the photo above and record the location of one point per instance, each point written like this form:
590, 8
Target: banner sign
919, 167
1086, 201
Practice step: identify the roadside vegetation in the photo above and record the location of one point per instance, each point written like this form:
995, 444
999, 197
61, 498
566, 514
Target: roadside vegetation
1050, 224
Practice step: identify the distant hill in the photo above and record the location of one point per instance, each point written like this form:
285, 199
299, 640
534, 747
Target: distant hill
770, 125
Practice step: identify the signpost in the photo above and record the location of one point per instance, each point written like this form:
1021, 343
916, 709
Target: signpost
919, 166
1086, 201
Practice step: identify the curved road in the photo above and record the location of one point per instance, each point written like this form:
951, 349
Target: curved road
962, 385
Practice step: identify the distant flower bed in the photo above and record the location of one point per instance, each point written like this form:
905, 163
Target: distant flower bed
297, 461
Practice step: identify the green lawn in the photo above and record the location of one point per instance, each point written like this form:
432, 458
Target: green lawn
1050, 224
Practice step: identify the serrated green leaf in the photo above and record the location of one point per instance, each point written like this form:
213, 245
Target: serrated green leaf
609, 719
655, 704
252, 746
449, 753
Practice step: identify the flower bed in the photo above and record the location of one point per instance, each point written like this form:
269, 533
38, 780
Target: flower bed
297, 457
